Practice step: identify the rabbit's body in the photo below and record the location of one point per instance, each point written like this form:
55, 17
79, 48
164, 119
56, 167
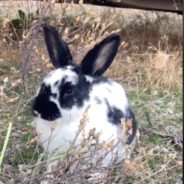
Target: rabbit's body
71, 92
105, 110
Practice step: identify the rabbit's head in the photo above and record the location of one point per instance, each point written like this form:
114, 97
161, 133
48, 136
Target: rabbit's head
66, 88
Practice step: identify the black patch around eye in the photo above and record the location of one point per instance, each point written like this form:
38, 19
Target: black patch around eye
66, 88
68, 91
78, 93
41, 104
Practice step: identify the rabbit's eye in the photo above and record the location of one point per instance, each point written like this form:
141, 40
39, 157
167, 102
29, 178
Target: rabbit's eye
68, 92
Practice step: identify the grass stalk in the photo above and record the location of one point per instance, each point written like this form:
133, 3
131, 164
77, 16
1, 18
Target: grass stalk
5, 143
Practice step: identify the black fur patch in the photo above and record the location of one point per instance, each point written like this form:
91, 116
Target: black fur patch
78, 93
114, 114
47, 109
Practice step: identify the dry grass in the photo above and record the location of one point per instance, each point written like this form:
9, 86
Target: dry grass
148, 65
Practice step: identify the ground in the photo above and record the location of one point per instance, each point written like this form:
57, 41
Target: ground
148, 65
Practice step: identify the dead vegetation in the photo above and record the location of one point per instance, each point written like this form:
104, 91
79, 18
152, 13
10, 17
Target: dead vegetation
149, 66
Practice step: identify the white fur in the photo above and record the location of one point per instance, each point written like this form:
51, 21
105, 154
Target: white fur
60, 73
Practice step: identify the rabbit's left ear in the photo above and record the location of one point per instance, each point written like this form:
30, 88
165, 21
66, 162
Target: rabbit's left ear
58, 49
98, 59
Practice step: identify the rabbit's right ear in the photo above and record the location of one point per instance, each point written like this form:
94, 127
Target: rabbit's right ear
58, 50
100, 57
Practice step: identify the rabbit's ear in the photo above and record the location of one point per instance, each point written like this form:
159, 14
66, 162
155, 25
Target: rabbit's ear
98, 59
58, 50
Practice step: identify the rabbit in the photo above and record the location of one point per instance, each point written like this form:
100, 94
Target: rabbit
70, 91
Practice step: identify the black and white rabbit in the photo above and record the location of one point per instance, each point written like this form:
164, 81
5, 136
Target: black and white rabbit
70, 89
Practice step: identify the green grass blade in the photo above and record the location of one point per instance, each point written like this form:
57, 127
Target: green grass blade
5, 143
